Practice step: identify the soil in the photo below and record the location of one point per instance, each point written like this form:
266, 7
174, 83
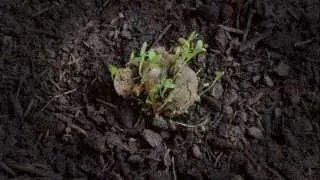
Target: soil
60, 117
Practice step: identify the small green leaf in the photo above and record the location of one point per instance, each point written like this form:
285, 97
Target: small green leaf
113, 70
218, 75
153, 56
199, 45
168, 83
132, 55
143, 49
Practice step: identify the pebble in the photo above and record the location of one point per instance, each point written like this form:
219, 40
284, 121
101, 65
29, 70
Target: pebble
97, 142
255, 133
217, 90
282, 69
154, 139
268, 81
231, 97
135, 159
196, 151
160, 122
126, 116
255, 79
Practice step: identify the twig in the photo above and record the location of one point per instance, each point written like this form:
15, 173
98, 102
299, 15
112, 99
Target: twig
231, 29
248, 44
7, 169
164, 31
217, 159
312, 60
246, 31
301, 43
218, 77
57, 96
201, 124
73, 126
263, 165
42, 11
106, 103
173, 169
29, 168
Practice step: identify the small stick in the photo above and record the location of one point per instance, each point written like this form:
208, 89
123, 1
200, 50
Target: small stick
73, 126
173, 169
246, 31
231, 29
164, 31
201, 124
218, 77
29, 168
7, 169
42, 11
301, 43
57, 96
106, 103
248, 44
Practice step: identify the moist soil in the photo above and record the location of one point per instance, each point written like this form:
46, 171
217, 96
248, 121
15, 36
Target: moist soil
60, 117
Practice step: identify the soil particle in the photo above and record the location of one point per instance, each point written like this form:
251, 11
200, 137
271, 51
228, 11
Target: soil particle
196, 151
96, 142
255, 132
282, 69
154, 139
268, 81
217, 91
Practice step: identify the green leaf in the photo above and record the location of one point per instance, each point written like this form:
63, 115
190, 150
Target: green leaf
113, 70
153, 56
192, 36
143, 49
218, 75
168, 83
132, 55
199, 45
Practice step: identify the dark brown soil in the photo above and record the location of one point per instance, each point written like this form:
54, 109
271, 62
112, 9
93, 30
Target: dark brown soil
61, 119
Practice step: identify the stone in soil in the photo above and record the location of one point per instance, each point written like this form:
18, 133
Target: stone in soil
154, 139
268, 81
255, 132
282, 69
217, 90
196, 151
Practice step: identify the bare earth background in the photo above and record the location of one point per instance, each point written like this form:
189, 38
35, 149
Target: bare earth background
61, 119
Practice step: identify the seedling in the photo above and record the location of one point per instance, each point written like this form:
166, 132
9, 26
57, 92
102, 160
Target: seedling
162, 77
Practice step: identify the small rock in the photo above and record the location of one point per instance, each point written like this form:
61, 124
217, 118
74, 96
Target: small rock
277, 112
255, 133
165, 134
268, 81
159, 122
243, 116
135, 159
295, 99
228, 111
231, 97
236, 177
126, 34
196, 151
153, 138
282, 69
255, 79
97, 142
217, 91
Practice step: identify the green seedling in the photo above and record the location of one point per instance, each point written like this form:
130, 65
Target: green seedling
155, 75
113, 70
